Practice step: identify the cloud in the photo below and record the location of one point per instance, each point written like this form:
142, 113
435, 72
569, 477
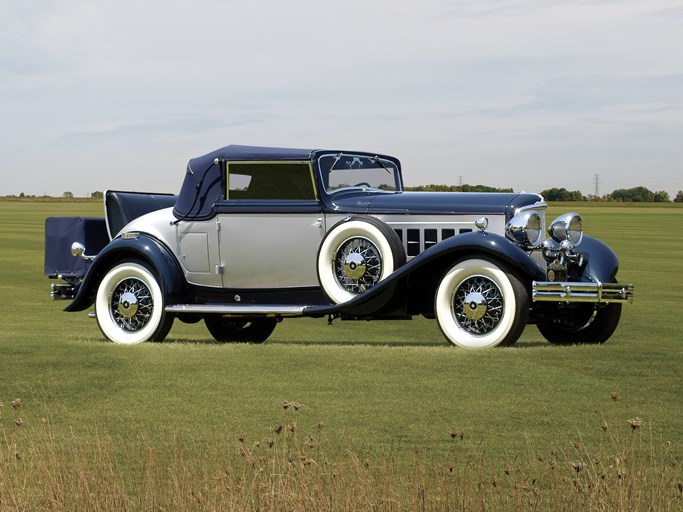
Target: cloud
93, 91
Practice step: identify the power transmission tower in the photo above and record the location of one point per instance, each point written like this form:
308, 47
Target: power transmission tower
596, 181
460, 181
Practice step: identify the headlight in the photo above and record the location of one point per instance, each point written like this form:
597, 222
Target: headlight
525, 228
567, 227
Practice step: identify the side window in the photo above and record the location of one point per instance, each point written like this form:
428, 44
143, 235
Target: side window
258, 180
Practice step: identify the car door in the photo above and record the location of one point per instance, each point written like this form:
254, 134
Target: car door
270, 226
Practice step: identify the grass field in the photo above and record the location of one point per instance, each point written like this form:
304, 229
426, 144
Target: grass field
388, 398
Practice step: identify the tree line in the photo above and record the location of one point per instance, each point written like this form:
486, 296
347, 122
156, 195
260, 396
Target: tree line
622, 195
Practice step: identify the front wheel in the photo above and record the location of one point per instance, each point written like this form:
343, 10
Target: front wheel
479, 304
250, 330
130, 305
588, 325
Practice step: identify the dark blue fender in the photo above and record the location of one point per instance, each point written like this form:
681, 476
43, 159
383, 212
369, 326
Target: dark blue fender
144, 248
602, 263
431, 265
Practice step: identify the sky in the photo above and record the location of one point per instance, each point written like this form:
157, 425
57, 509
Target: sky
527, 94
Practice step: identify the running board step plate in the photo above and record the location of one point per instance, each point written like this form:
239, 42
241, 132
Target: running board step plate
237, 309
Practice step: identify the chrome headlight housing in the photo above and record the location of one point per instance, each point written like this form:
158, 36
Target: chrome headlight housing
567, 227
525, 228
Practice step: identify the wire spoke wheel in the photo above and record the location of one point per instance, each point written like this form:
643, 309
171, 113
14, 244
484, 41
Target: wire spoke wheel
478, 305
356, 255
131, 304
358, 265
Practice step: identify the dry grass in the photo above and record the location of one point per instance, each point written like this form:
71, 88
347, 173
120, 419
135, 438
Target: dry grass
290, 471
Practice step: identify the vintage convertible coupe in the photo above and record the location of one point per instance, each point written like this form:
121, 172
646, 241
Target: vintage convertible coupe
260, 234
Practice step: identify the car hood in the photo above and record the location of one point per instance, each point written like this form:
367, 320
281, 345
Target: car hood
448, 203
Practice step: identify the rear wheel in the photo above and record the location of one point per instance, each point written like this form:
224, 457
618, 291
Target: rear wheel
129, 306
479, 304
587, 325
250, 330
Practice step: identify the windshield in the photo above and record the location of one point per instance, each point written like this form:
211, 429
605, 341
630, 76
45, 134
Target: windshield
344, 170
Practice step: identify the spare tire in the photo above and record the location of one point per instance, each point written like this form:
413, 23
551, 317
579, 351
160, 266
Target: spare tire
355, 255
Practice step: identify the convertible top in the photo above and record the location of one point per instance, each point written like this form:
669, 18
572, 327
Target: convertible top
202, 185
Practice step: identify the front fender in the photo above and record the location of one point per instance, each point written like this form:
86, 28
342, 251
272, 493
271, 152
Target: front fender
602, 263
143, 247
434, 262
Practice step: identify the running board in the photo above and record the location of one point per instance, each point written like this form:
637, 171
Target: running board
237, 309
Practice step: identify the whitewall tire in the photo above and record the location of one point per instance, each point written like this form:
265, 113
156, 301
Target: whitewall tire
479, 304
130, 305
355, 255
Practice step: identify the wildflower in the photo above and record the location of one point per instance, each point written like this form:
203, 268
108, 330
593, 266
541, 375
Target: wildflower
614, 395
285, 405
456, 432
270, 443
292, 427
635, 423
16, 404
297, 406
578, 466
278, 429
242, 437
18, 422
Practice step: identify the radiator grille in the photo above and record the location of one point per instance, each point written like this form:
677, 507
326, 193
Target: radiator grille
417, 240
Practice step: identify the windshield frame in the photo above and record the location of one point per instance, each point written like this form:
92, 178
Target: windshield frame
382, 164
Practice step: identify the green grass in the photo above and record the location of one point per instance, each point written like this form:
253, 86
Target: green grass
380, 388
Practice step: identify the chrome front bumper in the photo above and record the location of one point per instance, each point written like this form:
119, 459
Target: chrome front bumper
551, 291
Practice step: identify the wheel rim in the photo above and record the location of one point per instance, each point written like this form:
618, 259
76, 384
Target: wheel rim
478, 305
358, 265
131, 304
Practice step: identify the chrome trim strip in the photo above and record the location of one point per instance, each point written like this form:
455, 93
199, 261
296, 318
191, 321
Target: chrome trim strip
551, 291
538, 205
237, 309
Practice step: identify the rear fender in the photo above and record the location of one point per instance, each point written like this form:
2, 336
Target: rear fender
144, 248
